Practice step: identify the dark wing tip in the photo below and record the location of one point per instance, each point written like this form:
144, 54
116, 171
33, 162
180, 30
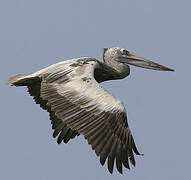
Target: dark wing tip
135, 148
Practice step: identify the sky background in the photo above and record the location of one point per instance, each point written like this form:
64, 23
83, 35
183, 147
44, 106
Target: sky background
35, 34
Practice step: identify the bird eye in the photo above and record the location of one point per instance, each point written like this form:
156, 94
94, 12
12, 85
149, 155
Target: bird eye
124, 51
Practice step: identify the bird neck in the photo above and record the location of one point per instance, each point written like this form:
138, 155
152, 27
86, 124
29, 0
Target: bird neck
110, 71
121, 70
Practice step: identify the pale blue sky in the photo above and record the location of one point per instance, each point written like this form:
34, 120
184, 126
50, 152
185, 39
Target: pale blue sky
35, 34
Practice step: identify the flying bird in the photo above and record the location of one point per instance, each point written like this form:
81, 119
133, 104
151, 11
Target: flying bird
77, 104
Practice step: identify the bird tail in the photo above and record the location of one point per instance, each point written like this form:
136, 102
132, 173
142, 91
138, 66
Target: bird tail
19, 80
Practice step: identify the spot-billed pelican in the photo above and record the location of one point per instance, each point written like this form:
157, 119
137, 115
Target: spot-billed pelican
77, 104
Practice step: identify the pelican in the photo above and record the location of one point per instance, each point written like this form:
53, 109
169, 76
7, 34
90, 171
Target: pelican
77, 104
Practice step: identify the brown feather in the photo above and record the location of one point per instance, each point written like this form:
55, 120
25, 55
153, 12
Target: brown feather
101, 145
68, 136
125, 159
106, 150
119, 157
99, 139
95, 134
58, 129
87, 127
111, 156
62, 135
80, 120
91, 128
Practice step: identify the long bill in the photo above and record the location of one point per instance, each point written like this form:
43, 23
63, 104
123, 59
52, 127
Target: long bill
144, 63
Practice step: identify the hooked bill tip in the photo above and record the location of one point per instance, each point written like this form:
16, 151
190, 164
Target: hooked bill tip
169, 69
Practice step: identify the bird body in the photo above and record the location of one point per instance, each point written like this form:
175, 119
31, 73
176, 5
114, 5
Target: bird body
77, 104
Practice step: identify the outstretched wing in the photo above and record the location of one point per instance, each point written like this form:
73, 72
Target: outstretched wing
77, 104
71, 92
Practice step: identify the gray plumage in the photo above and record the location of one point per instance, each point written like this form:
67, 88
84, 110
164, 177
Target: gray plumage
77, 104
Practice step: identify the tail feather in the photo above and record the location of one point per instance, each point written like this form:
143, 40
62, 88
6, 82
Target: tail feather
20, 80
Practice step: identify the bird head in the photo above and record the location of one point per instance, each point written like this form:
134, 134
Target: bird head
121, 55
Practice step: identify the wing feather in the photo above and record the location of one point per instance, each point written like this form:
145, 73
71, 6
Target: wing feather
79, 105
112, 155
62, 135
34, 90
104, 154
119, 157
98, 139
58, 129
